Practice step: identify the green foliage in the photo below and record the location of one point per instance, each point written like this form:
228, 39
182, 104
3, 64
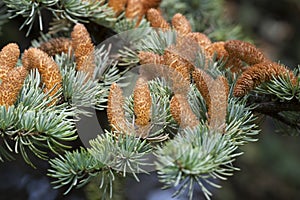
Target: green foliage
73, 11
197, 103
281, 87
74, 168
30, 10
3, 14
205, 16
121, 153
195, 157
241, 126
32, 95
108, 155
156, 41
143, 38
124, 24
279, 99
32, 125
78, 90
25, 130
128, 57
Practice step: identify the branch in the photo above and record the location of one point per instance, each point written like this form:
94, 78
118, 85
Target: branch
265, 106
270, 107
285, 121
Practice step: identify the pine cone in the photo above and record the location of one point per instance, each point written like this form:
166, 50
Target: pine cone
181, 24
182, 55
84, 49
236, 65
204, 83
135, 10
11, 85
182, 112
219, 100
244, 51
117, 5
178, 64
201, 39
148, 4
115, 110
215, 93
259, 73
149, 58
9, 56
218, 48
47, 67
186, 48
156, 19
142, 102
56, 46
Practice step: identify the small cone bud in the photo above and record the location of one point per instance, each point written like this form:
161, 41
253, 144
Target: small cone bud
9, 56
156, 19
181, 24
115, 110
84, 49
117, 5
244, 51
219, 100
182, 112
56, 46
11, 85
47, 67
142, 102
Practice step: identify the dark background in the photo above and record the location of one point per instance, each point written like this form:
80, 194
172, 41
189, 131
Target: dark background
269, 167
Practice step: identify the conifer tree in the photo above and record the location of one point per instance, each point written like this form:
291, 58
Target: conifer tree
180, 87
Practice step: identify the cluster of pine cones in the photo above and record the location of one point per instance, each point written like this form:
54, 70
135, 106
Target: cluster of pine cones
13, 77
241, 57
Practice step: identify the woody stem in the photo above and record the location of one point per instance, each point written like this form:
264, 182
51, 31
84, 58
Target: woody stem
273, 109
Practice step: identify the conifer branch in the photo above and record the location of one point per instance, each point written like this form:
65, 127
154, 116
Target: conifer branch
73, 10
107, 156
82, 164
276, 106
276, 109
196, 162
4, 15
192, 106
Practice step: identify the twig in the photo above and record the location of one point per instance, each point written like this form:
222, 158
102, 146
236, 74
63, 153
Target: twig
275, 106
273, 109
